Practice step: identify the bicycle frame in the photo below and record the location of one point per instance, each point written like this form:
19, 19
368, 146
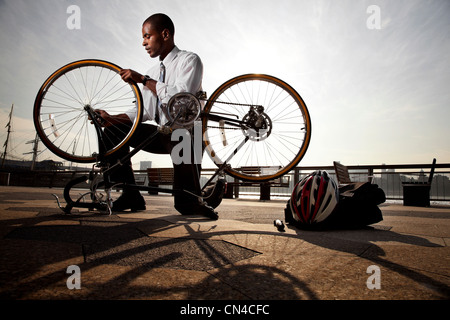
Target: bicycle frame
105, 170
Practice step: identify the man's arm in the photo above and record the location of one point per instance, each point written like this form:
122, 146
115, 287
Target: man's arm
131, 75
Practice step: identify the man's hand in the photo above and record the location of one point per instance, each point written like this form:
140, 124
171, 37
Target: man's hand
109, 120
129, 75
104, 116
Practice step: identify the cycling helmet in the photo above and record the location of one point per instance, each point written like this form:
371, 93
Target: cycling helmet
314, 198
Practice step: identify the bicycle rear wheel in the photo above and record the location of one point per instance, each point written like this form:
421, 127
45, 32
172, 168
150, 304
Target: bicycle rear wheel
274, 128
61, 115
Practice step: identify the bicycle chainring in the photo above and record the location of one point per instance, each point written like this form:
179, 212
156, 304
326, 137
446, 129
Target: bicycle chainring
183, 109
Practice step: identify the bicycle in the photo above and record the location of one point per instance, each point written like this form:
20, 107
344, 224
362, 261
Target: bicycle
255, 127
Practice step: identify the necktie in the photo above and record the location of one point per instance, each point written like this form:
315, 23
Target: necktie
162, 76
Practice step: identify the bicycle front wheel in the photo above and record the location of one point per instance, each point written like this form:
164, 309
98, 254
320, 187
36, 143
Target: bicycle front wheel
258, 125
63, 103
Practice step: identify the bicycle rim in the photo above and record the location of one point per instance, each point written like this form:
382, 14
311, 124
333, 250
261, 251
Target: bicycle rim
60, 115
258, 155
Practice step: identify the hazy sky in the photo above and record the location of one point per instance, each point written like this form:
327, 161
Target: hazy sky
375, 95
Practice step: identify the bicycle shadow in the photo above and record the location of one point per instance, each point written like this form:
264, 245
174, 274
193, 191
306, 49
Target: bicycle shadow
365, 243
98, 241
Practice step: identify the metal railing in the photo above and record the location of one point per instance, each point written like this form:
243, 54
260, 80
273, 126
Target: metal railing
390, 177
387, 177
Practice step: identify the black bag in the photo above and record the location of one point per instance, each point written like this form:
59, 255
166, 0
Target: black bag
362, 193
357, 207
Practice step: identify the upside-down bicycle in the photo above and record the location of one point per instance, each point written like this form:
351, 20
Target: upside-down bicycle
250, 121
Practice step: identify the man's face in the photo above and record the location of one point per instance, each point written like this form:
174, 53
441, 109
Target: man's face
153, 41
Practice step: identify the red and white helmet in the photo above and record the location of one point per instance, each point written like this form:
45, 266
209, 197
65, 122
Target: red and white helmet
314, 198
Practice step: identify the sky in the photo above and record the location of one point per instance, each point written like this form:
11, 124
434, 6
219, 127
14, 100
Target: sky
374, 74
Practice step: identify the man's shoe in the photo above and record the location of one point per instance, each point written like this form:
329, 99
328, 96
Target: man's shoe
132, 201
207, 211
200, 209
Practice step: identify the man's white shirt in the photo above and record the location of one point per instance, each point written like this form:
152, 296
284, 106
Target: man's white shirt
184, 73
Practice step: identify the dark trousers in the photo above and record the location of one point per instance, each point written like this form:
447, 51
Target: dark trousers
186, 175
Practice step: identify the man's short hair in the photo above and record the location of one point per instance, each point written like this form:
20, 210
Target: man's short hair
160, 21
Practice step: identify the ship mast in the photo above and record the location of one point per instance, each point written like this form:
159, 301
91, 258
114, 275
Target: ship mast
7, 137
35, 143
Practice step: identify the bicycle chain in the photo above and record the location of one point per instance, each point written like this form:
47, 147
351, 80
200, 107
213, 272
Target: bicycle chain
230, 103
214, 127
234, 103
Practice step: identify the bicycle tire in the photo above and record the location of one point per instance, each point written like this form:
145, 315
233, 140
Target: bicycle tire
234, 97
60, 115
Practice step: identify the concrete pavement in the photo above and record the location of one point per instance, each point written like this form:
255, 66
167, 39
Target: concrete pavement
159, 254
